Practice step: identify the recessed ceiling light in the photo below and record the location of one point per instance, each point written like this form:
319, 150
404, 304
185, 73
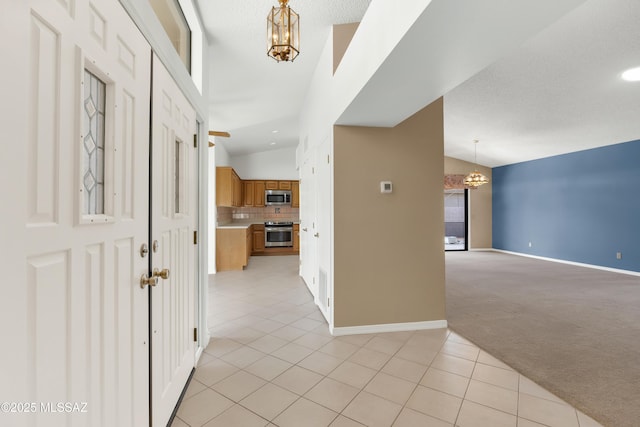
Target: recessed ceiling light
272, 143
274, 131
632, 74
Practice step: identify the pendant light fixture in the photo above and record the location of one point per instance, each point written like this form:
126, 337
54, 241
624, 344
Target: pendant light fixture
475, 179
283, 33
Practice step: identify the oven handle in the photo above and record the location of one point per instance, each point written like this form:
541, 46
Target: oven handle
278, 229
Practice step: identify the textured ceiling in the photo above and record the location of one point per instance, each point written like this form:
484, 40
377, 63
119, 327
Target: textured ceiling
251, 94
559, 92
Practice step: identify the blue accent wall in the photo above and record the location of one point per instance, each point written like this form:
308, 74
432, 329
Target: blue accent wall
582, 207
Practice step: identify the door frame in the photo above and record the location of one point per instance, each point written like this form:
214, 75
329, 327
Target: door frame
467, 200
144, 17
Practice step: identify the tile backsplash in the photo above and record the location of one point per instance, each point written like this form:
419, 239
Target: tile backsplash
227, 214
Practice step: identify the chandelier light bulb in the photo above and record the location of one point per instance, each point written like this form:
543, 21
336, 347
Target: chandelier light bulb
475, 179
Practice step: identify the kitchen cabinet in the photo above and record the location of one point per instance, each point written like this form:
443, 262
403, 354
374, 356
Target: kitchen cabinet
228, 187
233, 247
296, 237
258, 238
249, 192
295, 194
284, 185
237, 190
249, 243
253, 193
271, 185
258, 197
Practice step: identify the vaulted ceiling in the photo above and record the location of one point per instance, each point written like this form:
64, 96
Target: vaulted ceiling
559, 91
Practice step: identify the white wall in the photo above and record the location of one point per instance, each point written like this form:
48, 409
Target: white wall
372, 43
212, 214
316, 118
222, 158
275, 164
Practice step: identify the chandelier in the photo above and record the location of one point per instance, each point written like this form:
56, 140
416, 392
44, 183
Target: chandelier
283, 33
475, 179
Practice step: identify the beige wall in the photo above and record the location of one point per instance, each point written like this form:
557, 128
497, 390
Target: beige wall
480, 211
342, 35
388, 248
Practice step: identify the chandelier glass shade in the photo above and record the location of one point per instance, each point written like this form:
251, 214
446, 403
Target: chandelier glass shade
475, 179
283, 33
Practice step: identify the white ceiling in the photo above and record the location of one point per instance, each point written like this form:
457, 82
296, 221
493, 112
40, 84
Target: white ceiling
251, 94
559, 92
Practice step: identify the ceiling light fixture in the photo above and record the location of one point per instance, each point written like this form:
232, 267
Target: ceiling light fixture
283, 33
632, 75
475, 179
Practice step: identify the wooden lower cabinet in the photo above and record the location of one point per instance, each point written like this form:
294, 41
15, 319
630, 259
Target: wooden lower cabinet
258, 238
233, 248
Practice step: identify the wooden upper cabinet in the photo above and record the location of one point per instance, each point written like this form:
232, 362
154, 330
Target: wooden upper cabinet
295, 194
228, 187
237, 190
249, 193
284, 185
258, 197
234, 192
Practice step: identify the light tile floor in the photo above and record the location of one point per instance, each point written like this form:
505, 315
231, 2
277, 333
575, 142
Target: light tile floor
272, 362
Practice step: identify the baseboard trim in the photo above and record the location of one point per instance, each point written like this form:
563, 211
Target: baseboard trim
578, 264
387, 327
481, 249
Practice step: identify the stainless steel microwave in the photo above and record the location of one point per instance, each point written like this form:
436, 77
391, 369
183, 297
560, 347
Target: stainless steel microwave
277, 198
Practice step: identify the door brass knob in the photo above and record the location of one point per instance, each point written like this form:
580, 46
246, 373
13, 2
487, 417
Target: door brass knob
163, 274
304, 229
148, 281
316, 235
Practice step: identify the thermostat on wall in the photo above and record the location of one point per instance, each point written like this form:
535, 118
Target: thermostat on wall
386, 187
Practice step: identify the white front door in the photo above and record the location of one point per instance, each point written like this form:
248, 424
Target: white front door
174, 215
75, 114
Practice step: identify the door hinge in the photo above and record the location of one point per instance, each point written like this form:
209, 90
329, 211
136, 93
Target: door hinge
195, 334
313, 170
328, 302
195, 140
195, 237
327, 158
314, 280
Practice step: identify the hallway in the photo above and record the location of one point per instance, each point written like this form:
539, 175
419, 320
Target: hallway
272, 362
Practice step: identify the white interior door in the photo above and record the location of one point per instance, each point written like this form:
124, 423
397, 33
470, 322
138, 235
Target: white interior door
174, 215
323, 233
75, 110
308, 248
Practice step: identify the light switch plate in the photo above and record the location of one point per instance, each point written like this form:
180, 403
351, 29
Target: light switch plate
386, 187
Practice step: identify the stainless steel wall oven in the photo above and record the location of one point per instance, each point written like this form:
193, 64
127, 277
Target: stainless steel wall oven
278, 234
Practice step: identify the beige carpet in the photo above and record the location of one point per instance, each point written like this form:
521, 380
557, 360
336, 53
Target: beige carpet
573, 330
